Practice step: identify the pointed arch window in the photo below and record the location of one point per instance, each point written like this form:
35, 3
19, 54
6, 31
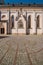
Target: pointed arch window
20, 24
29, 21
38, 21
12, 21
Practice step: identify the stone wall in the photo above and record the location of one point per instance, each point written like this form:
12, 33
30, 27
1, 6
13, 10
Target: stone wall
17, 13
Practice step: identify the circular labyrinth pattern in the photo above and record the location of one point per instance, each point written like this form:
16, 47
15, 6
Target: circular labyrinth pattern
21, 50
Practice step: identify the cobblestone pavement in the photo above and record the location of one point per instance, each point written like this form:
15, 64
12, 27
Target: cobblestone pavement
21, 50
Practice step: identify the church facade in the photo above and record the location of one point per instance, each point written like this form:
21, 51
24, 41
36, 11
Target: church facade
21, 19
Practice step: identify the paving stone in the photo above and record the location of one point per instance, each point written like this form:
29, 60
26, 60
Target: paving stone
33, 44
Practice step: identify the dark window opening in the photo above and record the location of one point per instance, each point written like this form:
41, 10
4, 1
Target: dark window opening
38, 21
2, 30
29, 21
3, 16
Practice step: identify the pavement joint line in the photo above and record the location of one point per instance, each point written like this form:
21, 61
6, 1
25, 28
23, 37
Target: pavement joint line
22, 53
16, 55
28, 55
5, 54
36, 51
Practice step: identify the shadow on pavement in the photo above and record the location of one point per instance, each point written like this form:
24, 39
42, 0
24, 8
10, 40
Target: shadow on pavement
3, 37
